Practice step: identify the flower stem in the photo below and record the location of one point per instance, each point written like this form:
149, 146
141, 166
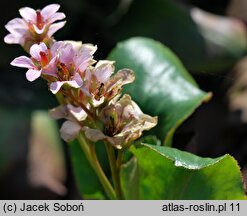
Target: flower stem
91, 155
115, 169
120, 159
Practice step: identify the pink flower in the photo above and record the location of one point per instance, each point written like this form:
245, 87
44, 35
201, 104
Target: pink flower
41, 62
34, 26
72, 61
66, 62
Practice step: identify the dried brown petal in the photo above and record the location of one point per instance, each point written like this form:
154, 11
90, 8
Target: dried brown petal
114, 86
123, 123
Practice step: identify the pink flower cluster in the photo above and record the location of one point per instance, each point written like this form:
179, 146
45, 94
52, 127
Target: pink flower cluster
63, 63
91, 91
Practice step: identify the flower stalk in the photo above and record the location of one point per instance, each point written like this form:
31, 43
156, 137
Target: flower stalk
89, 150
115, 170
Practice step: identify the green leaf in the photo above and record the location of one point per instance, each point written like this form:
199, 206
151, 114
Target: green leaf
194, 35
180, 175
162, 87
86, 179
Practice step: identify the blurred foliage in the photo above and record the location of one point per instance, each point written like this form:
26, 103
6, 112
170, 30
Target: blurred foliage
14, 130
46, 159
204, 42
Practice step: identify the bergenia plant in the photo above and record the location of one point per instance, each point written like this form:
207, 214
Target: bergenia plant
96, 112
89, 92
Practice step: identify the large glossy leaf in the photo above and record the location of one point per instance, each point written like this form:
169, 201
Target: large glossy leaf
194, 35
159, 172
162, 87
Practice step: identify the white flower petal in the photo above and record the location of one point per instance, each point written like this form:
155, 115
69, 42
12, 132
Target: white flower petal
82, 64
23, 61
115, 83
90, 47
136, 109
36, 49
49, 10
79, 82
39, 31
18, 29
55, 86
96, 103
149, 122
103, 71
84, 57
66, 54
17, 26
77, 112
77, 45
28, 14
69, 130
55, 17
55, 48
32, 75
55, 27
73, 84
103, 63
13, 39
